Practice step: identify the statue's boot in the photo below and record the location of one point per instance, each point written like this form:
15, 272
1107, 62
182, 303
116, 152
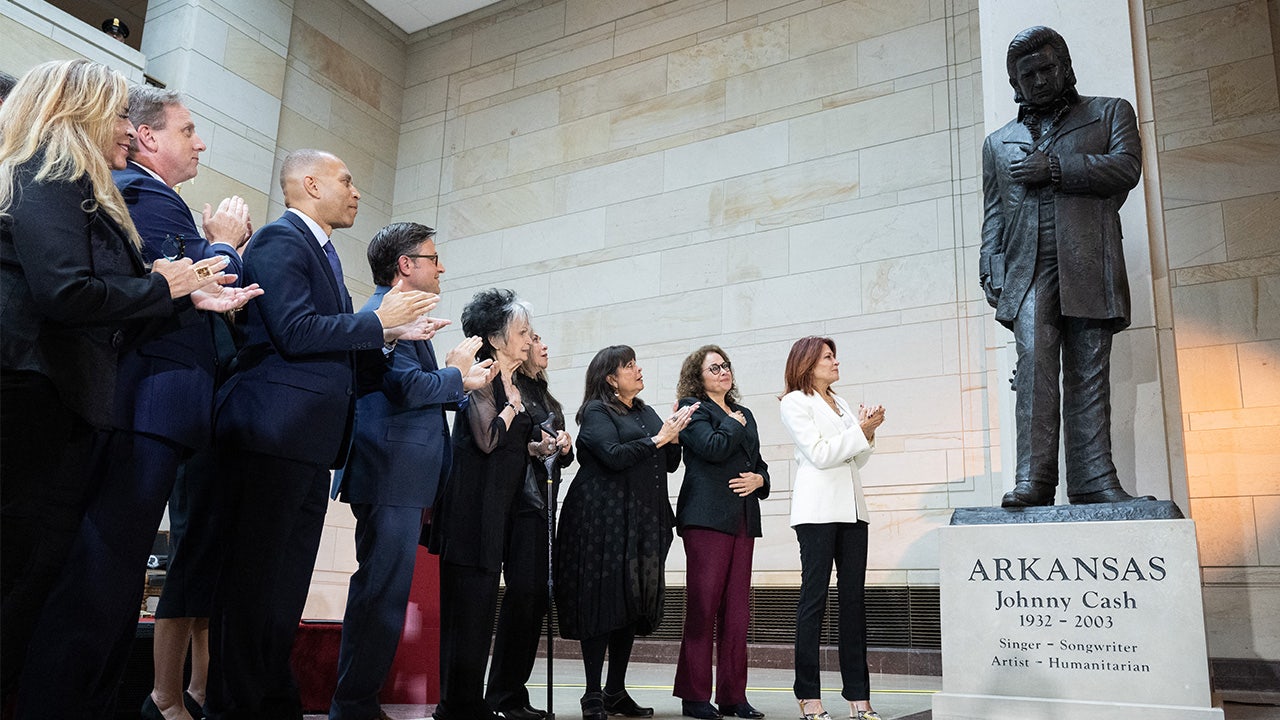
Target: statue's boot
1109, 495
1028, 494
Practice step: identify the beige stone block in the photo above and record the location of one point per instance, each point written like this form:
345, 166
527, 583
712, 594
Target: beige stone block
901, 230
1238, 418
614, 89
1182, 102
1259, 373
875, 121
499, 209
549, 243
798, 186
519, 30
694, 267
1195, 236
1222, 170
1209, 378
899, 352
438, 57
328, 58
583, 14
613, 183
1250, 226
688, 319
1214, 313
845, 23
1247, 87
905, 164
519, 116
211, 186
1203, 40
474, 167
905, 538
668, 115
565, 55
742, 9
559, 144
727, 56
772, 302
1218, 132
424, 99
904, 472
416, 183
758, 255
666, 22
726, 156
914, 281
664, 216
1225, 530
902, 53
920, 405
1233, 462
306, 97
807, 78
485, 81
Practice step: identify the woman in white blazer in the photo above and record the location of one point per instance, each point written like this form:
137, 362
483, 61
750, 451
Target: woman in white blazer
829, 514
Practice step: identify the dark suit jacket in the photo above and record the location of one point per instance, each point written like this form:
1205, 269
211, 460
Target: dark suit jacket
166, 385
1100, 153
716, 449
400, 451
292, 392
73, 292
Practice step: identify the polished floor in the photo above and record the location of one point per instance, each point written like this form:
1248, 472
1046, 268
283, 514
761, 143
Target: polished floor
896, 697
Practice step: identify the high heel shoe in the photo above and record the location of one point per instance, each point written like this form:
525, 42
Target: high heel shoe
194, 709
863, 715
820, 715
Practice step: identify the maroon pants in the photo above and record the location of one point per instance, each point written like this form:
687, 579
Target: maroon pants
718, 586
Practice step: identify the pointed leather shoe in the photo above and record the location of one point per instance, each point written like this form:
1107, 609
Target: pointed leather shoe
699, 709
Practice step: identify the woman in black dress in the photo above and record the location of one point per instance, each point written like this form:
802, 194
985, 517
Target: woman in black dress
474, 509
524, 602
615, 527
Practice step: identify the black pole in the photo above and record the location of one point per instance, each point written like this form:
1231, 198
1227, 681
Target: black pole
548, 426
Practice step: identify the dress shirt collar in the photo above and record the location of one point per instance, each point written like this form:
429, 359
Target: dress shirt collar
316, 230
148, 171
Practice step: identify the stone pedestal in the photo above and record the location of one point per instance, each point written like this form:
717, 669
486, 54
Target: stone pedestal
1046, 620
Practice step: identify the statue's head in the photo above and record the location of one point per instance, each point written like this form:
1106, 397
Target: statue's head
1039, 66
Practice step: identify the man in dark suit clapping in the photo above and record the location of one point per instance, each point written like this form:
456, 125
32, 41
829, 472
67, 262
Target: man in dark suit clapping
399, 454
283, 420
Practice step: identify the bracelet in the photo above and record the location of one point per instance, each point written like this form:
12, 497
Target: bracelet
513, 407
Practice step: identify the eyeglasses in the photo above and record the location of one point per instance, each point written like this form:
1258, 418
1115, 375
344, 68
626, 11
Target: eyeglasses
433, 258
719, 368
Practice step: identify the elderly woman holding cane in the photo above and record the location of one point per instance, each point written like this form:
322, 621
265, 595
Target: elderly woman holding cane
829, 514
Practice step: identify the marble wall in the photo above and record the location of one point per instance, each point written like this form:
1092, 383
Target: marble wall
667, 174
1213, 69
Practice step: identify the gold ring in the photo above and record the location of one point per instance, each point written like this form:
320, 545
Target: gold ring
202, 272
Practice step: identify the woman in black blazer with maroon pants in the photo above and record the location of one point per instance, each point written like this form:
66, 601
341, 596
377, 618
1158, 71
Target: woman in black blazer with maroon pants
718, 517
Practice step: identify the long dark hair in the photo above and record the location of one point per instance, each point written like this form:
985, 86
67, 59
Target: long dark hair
606, 363
690, 383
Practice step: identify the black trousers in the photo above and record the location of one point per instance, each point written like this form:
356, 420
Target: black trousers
272, 537
45, 452
82, 640
468, 597
524, 606
845, 545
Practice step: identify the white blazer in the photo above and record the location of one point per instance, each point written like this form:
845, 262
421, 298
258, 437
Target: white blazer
827, 488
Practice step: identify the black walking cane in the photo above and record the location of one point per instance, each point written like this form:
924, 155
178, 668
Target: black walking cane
548, 427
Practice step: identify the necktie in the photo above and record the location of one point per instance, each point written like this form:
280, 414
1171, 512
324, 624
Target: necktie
334, 263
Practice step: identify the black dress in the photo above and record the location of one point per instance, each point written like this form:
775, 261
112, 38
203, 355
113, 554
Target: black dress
616, 525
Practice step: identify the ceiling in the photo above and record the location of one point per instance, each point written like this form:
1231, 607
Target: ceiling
414, 15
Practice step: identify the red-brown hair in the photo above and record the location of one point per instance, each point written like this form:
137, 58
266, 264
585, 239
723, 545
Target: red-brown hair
804, 356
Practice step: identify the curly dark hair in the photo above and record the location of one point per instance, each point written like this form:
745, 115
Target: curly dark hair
606, 363
690, 383
488, 316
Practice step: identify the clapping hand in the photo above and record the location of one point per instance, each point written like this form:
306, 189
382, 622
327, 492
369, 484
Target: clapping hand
223, 298
870, 418
677, 421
